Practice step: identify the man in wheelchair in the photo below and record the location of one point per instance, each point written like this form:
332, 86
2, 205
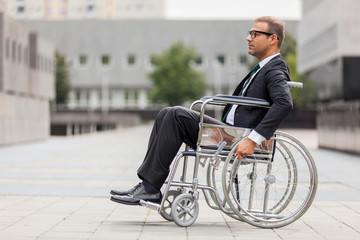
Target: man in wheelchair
177, 125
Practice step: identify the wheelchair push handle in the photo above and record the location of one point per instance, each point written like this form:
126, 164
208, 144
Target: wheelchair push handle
295, 84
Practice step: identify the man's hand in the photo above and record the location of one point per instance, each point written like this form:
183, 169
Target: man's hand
245, 148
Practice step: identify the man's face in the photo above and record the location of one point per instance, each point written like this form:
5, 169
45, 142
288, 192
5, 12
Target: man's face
258, 46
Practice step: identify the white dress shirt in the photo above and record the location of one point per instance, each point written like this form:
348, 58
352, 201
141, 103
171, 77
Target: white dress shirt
252, 134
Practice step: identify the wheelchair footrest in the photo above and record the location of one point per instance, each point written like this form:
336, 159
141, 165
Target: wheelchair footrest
151, 205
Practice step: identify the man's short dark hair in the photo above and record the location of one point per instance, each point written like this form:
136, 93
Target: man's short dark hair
275, 26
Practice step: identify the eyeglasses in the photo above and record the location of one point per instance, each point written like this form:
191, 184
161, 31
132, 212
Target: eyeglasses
253, 33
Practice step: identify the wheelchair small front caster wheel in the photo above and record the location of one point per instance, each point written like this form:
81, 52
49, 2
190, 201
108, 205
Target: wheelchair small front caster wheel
166, 212
185, 210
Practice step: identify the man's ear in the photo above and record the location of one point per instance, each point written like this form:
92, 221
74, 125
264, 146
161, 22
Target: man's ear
274, 39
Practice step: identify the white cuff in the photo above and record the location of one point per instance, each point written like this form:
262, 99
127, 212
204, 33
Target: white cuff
256, 137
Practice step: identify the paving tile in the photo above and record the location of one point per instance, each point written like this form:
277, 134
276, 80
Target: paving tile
297, 230
115, 236
12, 236
65, 235
327, 226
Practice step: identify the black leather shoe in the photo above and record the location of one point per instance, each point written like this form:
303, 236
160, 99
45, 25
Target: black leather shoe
139, 194
126, 192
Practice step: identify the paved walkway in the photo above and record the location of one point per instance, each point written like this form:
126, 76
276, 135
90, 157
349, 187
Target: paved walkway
59, 189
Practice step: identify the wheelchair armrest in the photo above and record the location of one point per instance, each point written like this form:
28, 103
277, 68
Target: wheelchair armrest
204, 98
241, 100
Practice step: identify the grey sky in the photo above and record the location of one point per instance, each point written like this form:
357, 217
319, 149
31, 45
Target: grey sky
232, 9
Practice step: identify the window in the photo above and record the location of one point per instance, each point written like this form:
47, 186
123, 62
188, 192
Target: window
90, 9
105, 60
242, 59
87, 96
19, 53
152, 60
21, 10
41, 63
198, 60
77, 95
37, 62
13, 57
26, 55
126, 95
220, 59
50, 66
47, 65
83, 60
131, 60
100, 94
136, 95
7, 48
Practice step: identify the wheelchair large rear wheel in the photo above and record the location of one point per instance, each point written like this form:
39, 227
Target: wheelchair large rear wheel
214, 180
273, 193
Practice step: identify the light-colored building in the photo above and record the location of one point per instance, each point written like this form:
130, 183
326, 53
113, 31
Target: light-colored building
329, 52
328, 38
110, 60
26, 83
84, 9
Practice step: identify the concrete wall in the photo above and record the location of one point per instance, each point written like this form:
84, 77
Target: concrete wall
23, 119
42, 66
339, 126
26, 83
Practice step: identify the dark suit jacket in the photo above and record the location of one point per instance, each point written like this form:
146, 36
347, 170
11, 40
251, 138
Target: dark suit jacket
270, 83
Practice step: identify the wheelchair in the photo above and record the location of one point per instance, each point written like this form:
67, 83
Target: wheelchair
271, 188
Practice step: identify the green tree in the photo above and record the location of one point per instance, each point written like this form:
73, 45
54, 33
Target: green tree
62, 79
175, 81
306, 95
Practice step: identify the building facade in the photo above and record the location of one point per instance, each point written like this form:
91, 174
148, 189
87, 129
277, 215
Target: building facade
110, 60
85, 9
26, 82
328, 51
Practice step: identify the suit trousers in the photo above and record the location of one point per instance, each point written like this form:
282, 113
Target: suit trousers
173, 126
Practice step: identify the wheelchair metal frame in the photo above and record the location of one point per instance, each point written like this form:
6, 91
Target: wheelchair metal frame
230, 203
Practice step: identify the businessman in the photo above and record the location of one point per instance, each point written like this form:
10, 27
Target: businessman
177, 125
